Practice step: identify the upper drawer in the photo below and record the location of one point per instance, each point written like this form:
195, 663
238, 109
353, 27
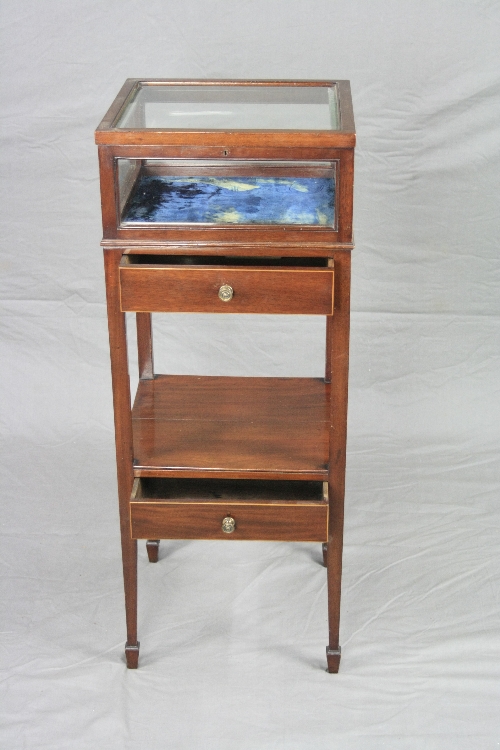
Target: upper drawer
294, 290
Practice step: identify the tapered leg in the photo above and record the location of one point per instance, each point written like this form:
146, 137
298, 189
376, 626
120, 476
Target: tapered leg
152, 548
124, 448
338, 332
129, 556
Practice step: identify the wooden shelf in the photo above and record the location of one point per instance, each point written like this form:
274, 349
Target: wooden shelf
261, 428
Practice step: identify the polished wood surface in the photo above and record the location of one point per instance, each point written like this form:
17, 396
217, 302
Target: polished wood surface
201, 429
262, 510
265, 522
239, 427
345, 196
145, 345
328, 146
339, 360
123, 443
207, 248
324, 550
254, 236
328, 353
234, 399
224, 141
266, 291
153, 548
344, 137
132, 654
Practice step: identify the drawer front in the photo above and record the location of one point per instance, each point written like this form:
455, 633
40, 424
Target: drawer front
301, 522
254, 290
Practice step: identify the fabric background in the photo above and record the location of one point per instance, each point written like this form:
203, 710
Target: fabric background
233, 636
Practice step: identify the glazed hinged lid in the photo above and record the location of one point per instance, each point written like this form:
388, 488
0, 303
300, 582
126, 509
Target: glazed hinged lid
160, 111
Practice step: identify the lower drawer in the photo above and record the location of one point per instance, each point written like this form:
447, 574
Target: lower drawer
203, 517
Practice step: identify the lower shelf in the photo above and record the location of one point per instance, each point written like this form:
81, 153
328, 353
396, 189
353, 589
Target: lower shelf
292, 511
243, 428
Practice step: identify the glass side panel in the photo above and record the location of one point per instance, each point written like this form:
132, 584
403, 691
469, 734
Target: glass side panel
173, 192
217, 107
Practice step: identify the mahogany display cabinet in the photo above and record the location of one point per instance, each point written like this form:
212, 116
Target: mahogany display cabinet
229, 197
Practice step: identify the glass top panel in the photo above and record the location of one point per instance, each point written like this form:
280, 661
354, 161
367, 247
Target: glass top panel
218, 107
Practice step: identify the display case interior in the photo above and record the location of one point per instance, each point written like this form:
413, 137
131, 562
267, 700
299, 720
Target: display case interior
162, 191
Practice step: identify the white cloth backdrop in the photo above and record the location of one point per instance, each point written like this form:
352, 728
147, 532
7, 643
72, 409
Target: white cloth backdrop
233, 636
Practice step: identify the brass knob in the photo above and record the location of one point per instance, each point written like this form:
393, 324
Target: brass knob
228, 525
226, 293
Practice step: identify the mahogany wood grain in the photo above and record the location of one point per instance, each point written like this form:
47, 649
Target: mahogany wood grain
328, 354
255, 290
339, 344
232, 233
328, 357
202, 248
209, 430
345, 195
132, 654
109, 200
333, 659
123, 440
341, 233
224, 398
282, 449
227, 140
202, 151
152, 548
207, 473
145, 345
234, 427
301, 522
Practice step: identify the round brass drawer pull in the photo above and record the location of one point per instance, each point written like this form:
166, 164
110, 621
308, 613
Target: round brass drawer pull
228, 525
226, 293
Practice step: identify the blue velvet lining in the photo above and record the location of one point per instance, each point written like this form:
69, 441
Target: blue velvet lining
232, 200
